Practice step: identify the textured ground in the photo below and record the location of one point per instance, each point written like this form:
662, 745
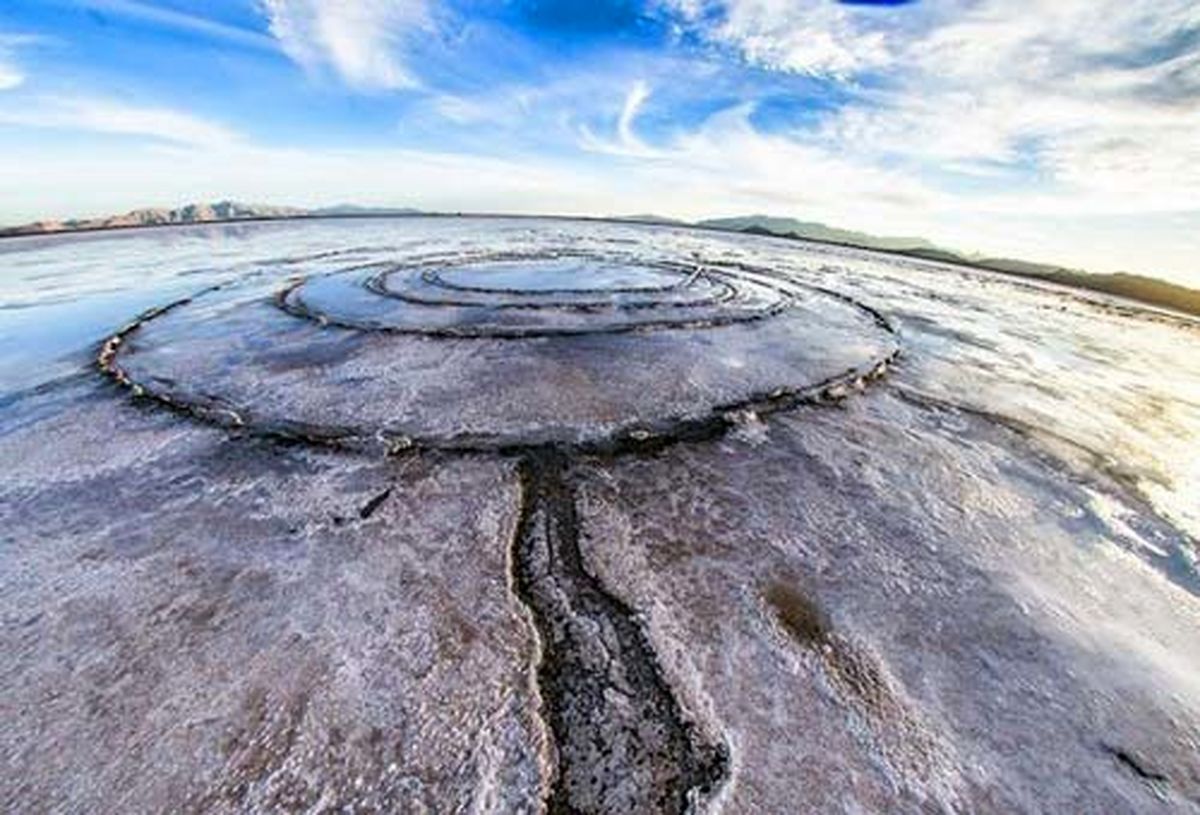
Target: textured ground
199, 623
689, 537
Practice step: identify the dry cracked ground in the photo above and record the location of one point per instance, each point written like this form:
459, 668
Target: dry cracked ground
742, 526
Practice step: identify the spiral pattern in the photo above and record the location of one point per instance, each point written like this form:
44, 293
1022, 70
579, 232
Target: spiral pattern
479, 350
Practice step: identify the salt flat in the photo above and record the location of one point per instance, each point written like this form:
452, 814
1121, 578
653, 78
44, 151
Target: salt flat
506, 514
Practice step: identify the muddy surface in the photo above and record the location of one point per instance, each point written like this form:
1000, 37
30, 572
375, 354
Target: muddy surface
519, 515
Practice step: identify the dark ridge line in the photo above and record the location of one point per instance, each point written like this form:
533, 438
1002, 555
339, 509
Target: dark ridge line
636, 438
1127, 760
379, 285
633, 438
433, 277
584, 306
640, 755
291, 301
368, 509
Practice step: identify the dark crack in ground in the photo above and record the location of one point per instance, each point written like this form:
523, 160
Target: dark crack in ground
1131, 763
621, 738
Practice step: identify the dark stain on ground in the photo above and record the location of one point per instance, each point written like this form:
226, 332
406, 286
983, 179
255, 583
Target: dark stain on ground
368, 509
1131, 763
851, 670
860, 679
798, 615
621, 740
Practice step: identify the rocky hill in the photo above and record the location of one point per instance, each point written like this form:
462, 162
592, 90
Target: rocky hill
813, 231
189, 214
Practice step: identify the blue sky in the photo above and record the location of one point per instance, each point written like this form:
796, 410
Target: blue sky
1065, 131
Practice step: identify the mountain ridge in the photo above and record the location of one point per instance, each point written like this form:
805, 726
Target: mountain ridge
814, 230
195, 213
1142, 288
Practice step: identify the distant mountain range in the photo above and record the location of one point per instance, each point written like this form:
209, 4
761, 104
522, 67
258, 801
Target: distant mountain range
1149, 290
190, 214
1135, 287
344, 210
198, 214
812, 231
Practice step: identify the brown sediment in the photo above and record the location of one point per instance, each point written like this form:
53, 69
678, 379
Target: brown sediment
798, 615
898, 732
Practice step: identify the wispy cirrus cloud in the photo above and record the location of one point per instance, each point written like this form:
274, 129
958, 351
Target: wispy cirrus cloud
818, 38
10, 77
361, 41
96, 115
625, 140
196, 23
11, 74
638, 94
1098, 100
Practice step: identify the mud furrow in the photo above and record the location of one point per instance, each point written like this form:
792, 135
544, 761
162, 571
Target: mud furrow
622, 743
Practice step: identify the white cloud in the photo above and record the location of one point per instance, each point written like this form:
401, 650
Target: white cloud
170, 18
818, 38
360, 40
1102, 98
1092, 104
625, 140
105, 116
638, 94
737, 160
11, 75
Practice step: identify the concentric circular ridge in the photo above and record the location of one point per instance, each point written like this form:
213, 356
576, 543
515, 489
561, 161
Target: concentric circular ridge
495, 350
